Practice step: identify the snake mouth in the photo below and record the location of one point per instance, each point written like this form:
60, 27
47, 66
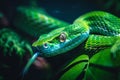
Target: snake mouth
37, 50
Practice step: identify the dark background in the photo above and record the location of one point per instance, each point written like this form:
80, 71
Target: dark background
67, 10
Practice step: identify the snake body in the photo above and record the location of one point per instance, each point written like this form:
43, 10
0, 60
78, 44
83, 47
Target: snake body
97, 29
94, 25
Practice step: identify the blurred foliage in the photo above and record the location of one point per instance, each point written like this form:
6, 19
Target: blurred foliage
101, 66
11, 43
14, 54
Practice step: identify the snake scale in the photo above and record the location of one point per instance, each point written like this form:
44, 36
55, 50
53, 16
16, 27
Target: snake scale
98, 28
99, 24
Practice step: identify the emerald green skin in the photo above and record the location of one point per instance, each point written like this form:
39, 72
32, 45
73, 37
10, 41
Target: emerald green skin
96, 29
101, 25
100, 29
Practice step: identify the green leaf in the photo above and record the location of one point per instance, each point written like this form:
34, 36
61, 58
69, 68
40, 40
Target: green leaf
94, 73
102, 66
75, 68
104, 58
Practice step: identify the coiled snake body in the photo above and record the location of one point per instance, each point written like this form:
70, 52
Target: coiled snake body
99, 29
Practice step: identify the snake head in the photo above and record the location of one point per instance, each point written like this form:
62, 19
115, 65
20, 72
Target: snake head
48, 43
59, 41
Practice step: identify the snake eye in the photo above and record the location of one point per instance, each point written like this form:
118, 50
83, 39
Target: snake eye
45, 45
62, 37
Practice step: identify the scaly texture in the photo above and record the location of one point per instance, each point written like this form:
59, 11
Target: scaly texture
97, 29
100, 24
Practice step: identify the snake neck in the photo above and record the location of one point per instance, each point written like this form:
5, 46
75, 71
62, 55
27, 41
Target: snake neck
101, 23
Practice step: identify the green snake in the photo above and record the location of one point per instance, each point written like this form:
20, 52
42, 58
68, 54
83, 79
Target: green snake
102, 29
97, 29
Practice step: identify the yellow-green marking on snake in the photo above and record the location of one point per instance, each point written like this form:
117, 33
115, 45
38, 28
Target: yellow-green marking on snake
97, 23
99, 29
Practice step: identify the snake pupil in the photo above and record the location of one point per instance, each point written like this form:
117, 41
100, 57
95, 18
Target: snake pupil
62, 37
